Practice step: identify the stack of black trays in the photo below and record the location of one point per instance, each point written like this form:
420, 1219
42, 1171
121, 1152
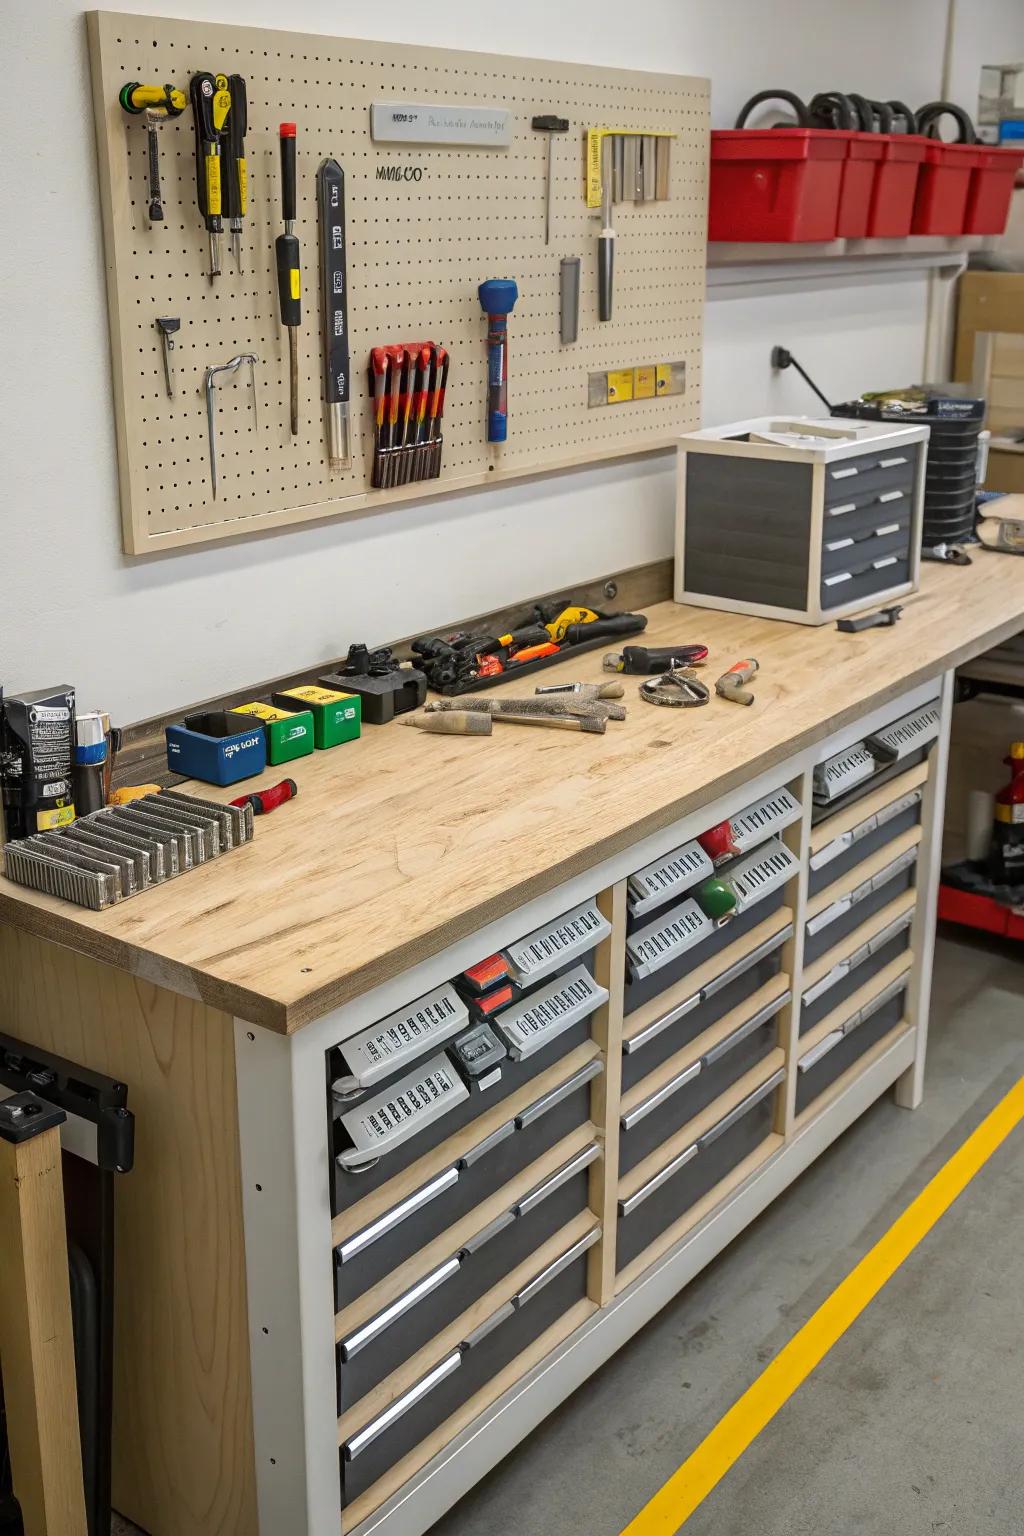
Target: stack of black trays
950, 486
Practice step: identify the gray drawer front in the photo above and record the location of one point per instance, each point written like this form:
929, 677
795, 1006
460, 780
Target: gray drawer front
730, 501
843, 551
847, 1052
895, 469
863, 584
857, 515
863, 848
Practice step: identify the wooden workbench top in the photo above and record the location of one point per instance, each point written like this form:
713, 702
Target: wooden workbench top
401, 843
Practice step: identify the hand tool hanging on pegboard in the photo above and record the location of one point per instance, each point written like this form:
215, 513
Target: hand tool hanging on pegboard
156, 103
289, 281
211, 103
330, 196
209, 386
236, 179
550, 124
497, 300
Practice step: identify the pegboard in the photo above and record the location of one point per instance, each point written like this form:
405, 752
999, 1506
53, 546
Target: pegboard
417, 250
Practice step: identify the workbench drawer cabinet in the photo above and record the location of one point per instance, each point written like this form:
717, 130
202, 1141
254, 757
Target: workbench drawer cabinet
400, 1423
853, 969
453, 1186
648, 1208
661, 1105
824, 1062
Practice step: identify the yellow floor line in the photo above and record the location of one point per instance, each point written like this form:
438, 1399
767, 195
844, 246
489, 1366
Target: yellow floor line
676, 1500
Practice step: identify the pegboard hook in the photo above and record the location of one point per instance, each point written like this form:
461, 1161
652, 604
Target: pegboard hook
210, 385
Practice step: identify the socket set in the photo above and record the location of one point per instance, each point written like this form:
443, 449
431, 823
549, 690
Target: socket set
120, 851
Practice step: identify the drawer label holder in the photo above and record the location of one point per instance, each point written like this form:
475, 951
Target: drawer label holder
667, 877
544, 950
666, 938
870, 824
388, 1046
543, 1016
379, 1125
842, 772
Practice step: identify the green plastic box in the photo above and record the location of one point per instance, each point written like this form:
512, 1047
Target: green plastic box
289, 733
337, 717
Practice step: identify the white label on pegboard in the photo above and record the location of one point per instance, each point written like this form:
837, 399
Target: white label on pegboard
406, 122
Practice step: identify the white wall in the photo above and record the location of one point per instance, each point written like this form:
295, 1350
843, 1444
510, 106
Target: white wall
143, 636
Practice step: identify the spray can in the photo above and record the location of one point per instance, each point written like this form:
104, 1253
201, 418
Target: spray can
36, 738
1006, 855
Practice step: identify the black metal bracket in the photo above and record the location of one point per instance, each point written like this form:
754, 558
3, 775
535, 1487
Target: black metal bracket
102, 1101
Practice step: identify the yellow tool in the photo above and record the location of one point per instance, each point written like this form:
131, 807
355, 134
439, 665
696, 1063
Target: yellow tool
557, 628
156, 103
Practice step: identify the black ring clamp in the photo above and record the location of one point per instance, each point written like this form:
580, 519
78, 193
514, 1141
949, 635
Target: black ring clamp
678, 688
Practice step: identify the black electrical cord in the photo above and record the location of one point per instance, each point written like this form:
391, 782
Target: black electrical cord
781, 358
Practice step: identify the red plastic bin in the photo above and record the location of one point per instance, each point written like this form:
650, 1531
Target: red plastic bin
988, 197
892, 198
861, 167
775, 183
940, 207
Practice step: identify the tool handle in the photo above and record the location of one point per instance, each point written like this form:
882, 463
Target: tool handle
739, 672
287, 132
597, 629
201, 88
641, 659
331, 208
237, 189
289, 282
156, 211
605, 273
265, 800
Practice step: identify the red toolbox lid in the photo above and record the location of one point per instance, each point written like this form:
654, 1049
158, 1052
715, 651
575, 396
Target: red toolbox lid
779, 144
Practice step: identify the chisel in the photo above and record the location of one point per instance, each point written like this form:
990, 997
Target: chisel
330, 190
289, 282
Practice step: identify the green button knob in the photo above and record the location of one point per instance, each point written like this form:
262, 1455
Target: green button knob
716, 897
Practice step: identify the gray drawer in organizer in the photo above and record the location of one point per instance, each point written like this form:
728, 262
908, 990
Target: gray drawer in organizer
842, 907
388, 1335
826, 1061
844, 549
663, 948
875, 474
648, 1207
864, 579
451, 1188
412, 1079
399, 1426
662, 1104
872, 832
700, 1000
860, 513
853, 968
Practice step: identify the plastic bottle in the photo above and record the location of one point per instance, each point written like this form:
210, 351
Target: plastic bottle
1006, 857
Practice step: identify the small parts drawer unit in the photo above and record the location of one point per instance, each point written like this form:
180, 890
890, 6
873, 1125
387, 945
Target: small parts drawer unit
804, 519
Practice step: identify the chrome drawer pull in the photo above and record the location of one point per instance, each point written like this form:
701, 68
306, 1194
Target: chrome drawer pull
493, 1228
487, 1327
540, 1107
487, 1145
892, 463
879, 565
834, 581
833, 544
829, 914
897, 926
401, 1406
749, 1027
629, 1205
844, 474
847, 506
545, 949
746, 962
822, 1048
634, 1116
637, 1042
351, 1347
742, 1108
886, 529
820, 987
878, 1003
892, 496
553, 1270
392, 1218
561, 1176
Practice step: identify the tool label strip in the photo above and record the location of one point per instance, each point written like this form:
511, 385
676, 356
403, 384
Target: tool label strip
407, 122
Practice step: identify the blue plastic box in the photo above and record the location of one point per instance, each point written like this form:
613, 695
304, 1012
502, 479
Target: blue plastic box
219, 748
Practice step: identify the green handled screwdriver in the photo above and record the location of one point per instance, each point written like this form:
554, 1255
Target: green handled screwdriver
289, 282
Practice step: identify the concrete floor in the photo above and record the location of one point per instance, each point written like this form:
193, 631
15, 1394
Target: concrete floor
912, 1423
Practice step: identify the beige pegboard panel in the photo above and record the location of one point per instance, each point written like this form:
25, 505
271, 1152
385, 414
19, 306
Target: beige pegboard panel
417, 251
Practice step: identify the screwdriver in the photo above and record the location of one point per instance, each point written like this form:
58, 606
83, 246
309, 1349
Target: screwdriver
236, 188
549, 124
211, 103
378, 383
606, 239
289, 283
436, 412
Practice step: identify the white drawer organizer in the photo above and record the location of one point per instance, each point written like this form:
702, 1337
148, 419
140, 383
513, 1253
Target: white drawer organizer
651, 1081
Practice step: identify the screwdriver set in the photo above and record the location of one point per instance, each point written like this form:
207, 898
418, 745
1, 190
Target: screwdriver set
309, 221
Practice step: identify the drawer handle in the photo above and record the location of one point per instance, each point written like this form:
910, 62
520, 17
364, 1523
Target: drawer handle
897, 926
554, 1269
749, 1027
892, 496
637, 1042
393, 1218
401, 1405
746, 962
834, 581
742, 1108
351, 1346
824, 983
487, 1327
540, 1107
822, 1048
855, 1019
892, 463
647, 1106
487, 1145
542, 1016
886, 529
834, 544
492, 1229
844, 474
847, 506
629, 1205
871, 823
879, 565
561, 1176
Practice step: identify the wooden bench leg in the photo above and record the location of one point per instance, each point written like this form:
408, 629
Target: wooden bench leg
37, 1356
